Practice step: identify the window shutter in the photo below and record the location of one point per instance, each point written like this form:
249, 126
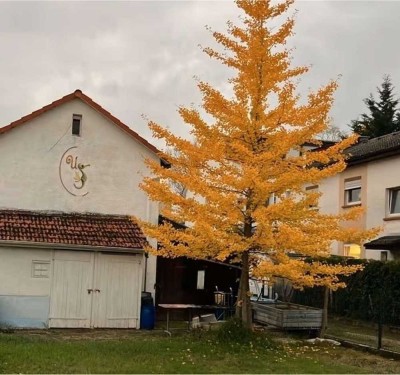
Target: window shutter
353, 184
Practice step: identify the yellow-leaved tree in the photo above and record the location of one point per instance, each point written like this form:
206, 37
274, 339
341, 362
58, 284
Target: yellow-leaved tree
252, 150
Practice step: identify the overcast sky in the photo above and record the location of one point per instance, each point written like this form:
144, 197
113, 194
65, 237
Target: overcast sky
137, 58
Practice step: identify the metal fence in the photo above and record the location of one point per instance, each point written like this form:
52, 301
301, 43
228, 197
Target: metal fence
374, 335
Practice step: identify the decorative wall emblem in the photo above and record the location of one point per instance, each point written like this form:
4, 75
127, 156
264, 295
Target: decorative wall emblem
73, 173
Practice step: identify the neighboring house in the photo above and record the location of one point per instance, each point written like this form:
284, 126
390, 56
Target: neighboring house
71, 254
370, 180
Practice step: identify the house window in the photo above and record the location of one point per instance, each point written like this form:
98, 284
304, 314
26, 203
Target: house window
352, 250
40, 269
352, 191
272, 199
200, 279
76, 124
394, 201
384, 256
313, 189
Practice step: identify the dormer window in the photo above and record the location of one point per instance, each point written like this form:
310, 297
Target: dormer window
76, 125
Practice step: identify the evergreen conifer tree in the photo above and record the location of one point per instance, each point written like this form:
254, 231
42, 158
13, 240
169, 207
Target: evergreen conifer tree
384, 116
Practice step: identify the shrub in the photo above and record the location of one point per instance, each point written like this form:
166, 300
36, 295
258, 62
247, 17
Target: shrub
371, 294
233, 334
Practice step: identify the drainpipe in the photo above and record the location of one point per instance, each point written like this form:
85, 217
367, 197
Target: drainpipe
146, 256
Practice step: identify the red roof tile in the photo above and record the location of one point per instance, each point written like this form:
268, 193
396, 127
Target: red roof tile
80, 95
71, 228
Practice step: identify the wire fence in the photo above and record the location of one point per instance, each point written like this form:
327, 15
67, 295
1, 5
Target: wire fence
374, 335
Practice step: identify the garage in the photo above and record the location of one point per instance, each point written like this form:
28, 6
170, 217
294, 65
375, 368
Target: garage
62, 270
95, 290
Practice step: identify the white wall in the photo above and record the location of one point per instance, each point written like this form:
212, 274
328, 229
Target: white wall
16, 272
30, 159
24, 299
329, 202
382, 174
376, 176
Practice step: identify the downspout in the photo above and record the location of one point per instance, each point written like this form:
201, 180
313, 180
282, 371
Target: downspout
146, 256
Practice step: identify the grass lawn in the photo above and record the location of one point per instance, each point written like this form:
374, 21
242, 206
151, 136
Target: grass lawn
103, 351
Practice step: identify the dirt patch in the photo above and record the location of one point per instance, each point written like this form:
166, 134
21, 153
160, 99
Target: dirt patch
71, 334
374, 363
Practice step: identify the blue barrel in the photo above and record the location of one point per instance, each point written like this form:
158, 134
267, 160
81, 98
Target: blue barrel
147, 317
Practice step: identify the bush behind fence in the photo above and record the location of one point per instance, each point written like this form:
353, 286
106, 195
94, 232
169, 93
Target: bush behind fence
371, 294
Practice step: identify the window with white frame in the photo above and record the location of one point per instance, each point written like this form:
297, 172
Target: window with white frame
394, 201
352, 191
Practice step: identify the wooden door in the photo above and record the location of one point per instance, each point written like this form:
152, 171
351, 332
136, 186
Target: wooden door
117, 287
95, 290
71, 298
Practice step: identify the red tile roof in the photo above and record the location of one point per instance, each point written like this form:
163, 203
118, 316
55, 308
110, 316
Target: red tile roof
80, 95
71, 229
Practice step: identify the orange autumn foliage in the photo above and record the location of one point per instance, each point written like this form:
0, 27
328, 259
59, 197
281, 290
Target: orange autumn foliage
252, 149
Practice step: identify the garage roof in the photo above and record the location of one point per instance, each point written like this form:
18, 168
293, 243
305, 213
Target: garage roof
77, 229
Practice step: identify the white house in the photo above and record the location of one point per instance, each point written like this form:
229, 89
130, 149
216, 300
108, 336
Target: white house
71, 253
370, 180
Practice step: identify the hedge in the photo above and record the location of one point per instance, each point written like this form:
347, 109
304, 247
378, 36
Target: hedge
371, 294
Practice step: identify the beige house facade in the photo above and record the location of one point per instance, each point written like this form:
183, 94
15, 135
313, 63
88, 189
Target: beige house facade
371, 181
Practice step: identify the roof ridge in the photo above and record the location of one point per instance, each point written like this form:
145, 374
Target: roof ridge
89, 101
53, 213
376, 148
380, 137
36, 113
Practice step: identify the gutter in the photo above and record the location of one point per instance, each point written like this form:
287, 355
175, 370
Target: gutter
373, 156
221, 263
58, 246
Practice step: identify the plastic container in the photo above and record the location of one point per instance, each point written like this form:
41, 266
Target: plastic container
147, 316
147, 299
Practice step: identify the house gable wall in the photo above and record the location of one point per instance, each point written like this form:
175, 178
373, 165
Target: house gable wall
382, 175
30, 158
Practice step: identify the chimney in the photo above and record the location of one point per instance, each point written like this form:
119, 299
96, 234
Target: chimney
363, 139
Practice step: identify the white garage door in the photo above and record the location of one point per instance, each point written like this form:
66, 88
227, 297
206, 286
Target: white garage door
95, 290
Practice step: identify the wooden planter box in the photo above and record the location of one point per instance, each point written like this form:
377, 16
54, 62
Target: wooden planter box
287, 315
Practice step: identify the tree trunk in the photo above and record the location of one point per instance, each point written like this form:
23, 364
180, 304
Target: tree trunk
325, 313
243, 305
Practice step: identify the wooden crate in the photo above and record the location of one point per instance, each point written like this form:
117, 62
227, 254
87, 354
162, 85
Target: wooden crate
287, 315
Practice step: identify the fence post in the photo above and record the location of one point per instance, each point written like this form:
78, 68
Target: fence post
324, 313
380, 323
